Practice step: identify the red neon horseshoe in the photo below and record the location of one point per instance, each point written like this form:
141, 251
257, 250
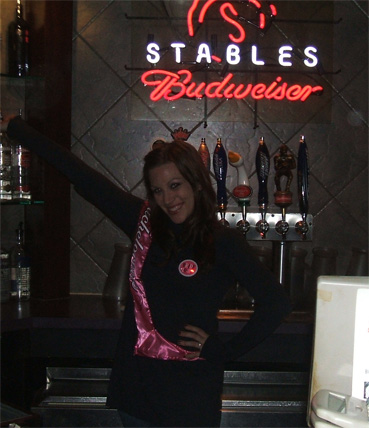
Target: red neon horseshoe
222, 10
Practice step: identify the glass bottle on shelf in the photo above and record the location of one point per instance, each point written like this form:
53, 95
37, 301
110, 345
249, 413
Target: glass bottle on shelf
18, 44
21, 171
20, 271
21, 166
5, 166
5, 276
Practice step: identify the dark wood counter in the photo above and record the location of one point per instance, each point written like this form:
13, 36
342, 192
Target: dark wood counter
82, 331
76, 311
92, 311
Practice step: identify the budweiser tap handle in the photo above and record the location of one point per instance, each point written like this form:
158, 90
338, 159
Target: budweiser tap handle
262, 169
303, 177
220, 165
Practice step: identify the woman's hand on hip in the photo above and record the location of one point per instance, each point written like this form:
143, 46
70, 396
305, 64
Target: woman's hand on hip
193, 337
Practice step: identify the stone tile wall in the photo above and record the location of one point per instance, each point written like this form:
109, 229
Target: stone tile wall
109, 101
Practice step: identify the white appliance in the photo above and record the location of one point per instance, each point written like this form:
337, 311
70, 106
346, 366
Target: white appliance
339, 384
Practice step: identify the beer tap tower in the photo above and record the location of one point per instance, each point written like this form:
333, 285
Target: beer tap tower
280, 228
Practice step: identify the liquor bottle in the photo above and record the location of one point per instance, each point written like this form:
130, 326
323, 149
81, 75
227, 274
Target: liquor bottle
21, 167
204, 153
20, 268
5, 166
18, 44
5, 276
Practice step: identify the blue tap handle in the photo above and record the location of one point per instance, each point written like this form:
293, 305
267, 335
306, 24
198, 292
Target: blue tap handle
303, 177
262, 169
220, 165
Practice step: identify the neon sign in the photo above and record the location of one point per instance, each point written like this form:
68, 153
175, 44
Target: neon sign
222, 10
173, 85
233, 54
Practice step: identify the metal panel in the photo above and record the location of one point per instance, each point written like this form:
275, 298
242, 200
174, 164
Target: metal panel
234, 216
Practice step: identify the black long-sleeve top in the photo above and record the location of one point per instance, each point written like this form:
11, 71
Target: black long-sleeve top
172, 393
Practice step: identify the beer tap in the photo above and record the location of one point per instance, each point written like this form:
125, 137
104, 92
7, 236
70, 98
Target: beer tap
242, 192
220, 166
204, 153
284, 162
301, 226
262, 169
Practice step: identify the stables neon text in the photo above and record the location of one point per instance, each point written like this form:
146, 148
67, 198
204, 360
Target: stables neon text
233, 54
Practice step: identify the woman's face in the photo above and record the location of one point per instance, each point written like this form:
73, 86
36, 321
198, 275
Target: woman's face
172, 192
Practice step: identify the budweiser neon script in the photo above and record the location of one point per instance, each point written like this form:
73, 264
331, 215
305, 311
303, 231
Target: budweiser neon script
173, 86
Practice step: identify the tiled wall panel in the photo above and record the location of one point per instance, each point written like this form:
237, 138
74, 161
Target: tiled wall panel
109, 100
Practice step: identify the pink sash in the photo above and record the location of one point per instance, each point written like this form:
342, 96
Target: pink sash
150, 342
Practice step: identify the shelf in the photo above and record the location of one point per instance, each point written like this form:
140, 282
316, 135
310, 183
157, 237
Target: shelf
25, 202
297, 316
45, 98
20, 80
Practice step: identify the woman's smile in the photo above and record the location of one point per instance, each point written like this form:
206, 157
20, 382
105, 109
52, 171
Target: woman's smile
172, 192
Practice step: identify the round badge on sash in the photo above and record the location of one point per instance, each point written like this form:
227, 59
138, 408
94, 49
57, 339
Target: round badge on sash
188, 268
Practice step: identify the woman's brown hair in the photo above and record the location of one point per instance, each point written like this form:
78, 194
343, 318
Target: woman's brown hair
199, 227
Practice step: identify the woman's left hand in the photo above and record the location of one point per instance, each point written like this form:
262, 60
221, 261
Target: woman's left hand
197, 337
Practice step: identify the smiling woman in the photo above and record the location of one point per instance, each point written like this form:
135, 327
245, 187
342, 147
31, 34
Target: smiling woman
180, 191
172, 192
169, 363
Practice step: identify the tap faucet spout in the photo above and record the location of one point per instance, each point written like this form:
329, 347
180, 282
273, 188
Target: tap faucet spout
262, 226
282, 225
302, 227
243, 224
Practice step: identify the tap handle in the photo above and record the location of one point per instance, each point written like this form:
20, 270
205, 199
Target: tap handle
303, 177
220, 165
262, 169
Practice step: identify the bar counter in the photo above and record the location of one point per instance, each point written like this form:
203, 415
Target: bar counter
94, 311
76, 311
87, 326
82, 331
